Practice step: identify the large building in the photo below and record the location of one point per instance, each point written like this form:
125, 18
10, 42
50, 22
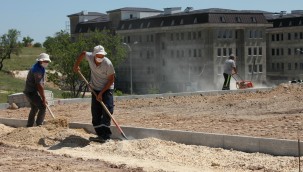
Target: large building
176, 51
285, 47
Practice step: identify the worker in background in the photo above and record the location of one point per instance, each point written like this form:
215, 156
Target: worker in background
34, 90
229, 70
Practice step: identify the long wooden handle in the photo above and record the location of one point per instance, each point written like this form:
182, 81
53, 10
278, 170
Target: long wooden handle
50, 111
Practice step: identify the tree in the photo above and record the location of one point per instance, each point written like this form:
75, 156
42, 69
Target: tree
27, 41
64, 52
9, 45
37, 45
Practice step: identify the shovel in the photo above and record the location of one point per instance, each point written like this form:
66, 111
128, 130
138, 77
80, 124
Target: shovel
103, 105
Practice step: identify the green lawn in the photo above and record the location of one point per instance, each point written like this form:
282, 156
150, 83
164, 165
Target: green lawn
24, 61
9, 84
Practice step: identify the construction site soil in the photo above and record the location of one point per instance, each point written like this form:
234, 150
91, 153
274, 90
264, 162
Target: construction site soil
276, 113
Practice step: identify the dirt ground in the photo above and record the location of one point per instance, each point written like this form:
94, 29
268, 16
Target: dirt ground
272, 114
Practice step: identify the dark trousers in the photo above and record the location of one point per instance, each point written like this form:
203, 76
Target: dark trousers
100, 119
226, 85
36, 105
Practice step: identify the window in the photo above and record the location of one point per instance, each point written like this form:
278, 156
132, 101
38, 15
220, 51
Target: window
189, 35
224, 52
260, 68
219, 52
222, 19
230, 51
130, 16
282, 66
238, 20
200, 35
255, 51
278, 51
296, 36
181, 22
253, 20
272, 52
219, 34
250, 68
172, 23
278, 37
289, 51
296, 66
249, 52
289, 36
260, 50
255, 68
182, 36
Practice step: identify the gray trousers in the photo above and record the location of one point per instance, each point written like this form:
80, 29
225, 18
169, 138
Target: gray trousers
36, 106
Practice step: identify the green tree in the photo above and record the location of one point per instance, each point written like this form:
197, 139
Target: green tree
64, 52
27, 41
37, 45
9, 45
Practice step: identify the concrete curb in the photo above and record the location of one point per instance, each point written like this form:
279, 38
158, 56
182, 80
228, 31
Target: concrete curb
204, 93
277, 147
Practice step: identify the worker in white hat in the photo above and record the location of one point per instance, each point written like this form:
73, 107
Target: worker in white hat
34, 90
102, 82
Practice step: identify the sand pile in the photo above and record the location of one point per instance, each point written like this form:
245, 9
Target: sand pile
150, 153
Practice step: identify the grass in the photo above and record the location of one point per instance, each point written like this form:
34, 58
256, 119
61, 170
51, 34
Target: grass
24, 61
9, 84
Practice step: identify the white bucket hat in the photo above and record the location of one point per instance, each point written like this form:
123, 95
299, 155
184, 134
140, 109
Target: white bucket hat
43, 57
99, 49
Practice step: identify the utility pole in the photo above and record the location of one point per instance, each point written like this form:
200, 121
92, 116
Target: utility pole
130, 66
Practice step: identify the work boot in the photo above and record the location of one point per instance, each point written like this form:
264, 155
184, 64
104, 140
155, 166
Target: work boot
97, 139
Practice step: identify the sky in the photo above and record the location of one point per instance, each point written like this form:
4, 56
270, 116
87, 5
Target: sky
39, 19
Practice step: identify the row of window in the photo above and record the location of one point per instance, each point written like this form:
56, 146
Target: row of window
280, 66
190, 53
290, 51
257, 68
290, 36
189, 36
252, 34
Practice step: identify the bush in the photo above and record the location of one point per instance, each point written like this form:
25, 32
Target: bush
38, 45
118, 93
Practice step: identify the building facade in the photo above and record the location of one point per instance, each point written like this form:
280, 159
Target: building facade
285, 48
177, 51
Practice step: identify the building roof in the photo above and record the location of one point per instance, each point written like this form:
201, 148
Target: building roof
85, 27
194, 17
134, 9
287, 21
87, 14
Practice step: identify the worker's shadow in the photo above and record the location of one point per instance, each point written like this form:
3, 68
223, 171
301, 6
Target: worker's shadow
71, 141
